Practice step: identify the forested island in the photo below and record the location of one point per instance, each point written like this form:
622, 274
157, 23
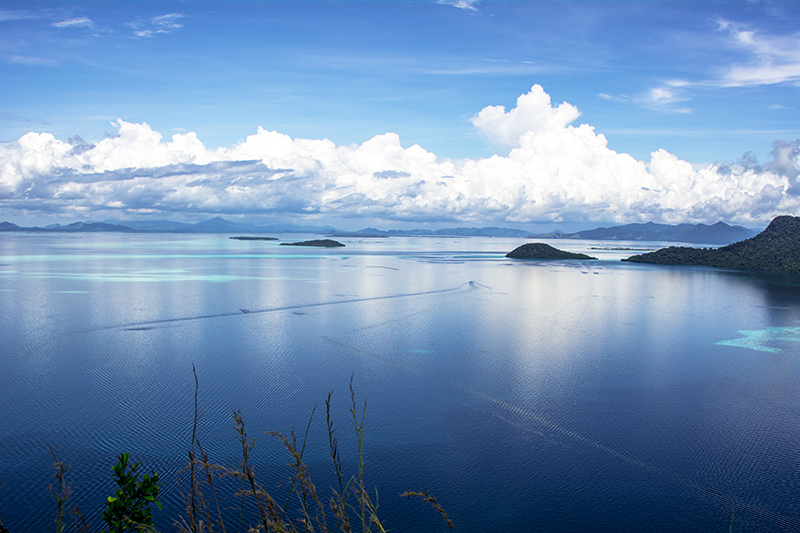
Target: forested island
323, 243
538, 250
776, 249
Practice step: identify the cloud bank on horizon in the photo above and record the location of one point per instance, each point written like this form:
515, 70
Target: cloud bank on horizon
555, 171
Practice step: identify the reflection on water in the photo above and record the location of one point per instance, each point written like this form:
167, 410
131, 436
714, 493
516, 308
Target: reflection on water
528, 395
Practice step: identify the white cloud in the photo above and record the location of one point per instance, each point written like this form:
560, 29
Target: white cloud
156, 25
664, 99
167, 22
613, 98
555, 171
661, 95
770, 59
767, 60
461, 4
74, 23
32, 61
533, 112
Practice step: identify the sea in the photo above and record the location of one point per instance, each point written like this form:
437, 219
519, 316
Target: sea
524, 395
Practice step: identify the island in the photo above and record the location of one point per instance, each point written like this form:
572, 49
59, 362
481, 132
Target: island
247, 238
538, 250
776, 249
324, 243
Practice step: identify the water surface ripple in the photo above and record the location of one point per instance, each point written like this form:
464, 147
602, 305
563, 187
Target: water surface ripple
527, 395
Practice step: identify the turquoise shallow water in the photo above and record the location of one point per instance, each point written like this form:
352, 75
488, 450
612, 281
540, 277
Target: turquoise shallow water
527, 395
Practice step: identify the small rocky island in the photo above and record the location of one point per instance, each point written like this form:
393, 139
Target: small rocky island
247, 238
539, 250
323, 243
776, 249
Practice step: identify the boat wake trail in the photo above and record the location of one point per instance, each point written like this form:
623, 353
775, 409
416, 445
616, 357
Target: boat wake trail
149, 323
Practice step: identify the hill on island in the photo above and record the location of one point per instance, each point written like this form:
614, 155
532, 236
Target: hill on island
719, 233
538, 250
322, 243
776, 249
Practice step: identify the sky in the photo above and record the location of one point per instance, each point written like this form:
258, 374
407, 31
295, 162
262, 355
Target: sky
395, 114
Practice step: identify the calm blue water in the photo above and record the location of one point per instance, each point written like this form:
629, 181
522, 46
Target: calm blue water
527, 396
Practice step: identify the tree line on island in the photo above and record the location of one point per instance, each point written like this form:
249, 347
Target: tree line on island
540, 250
776, 249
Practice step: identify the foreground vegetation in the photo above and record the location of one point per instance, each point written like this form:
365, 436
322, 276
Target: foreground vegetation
130, 508
776, 249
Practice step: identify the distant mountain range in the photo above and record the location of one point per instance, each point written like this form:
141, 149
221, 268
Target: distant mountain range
449, 232
719, 233
776, 249
214, 225
220, 225
70, 228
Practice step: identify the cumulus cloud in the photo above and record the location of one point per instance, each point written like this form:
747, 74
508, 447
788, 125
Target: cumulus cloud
785, 162
533, 112
555, 171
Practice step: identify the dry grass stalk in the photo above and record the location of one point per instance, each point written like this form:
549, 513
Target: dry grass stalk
426, 497
205, 514
273, 517
62, 491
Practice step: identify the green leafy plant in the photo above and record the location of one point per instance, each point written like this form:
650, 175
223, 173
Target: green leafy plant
129, 508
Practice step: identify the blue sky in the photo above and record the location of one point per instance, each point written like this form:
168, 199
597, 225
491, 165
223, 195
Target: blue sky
703, 82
